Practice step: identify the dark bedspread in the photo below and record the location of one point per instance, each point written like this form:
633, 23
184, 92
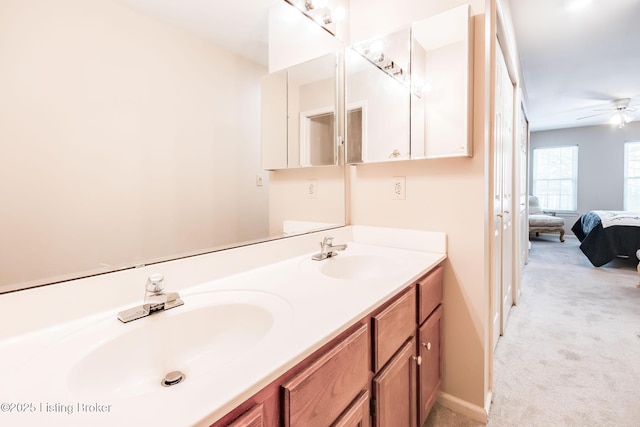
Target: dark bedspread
602, 245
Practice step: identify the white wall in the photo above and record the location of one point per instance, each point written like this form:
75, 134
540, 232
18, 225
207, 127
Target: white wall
600, 163
145, 114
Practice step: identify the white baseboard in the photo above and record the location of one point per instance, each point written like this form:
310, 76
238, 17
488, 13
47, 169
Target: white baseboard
469, 410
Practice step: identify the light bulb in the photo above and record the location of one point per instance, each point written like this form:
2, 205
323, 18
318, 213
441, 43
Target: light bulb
577, 4
338, 14
315, 4
376, 47
619, 119
615, 120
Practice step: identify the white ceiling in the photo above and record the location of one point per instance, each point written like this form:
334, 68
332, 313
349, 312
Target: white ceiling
573, 61
576, 61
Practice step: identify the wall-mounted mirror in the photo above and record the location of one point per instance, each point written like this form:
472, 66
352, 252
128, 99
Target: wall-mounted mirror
441, 85
378, 99
130, 134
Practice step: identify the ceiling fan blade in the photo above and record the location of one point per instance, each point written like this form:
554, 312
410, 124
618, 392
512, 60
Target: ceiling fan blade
593, 115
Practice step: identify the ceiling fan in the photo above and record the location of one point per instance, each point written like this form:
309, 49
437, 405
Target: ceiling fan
619, 110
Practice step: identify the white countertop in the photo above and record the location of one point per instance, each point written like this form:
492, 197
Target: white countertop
312, 309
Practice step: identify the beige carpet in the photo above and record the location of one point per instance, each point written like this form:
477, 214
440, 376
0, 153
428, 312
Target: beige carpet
571, 352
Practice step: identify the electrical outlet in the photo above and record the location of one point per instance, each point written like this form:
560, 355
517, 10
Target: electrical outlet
398, 188
259, 180
312, 189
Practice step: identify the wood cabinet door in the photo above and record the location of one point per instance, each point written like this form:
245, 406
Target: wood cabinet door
394, 390
430, 369
320, 393
253, 418
358, 413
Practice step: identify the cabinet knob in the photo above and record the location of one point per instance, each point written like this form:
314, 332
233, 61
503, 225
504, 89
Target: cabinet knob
418, 359
427, 345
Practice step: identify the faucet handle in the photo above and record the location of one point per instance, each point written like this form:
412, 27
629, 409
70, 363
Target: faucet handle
155, 283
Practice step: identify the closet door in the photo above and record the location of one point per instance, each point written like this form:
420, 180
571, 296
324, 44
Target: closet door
507, 192
502, 241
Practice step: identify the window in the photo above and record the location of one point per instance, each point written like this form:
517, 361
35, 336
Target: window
555, 177
632, 176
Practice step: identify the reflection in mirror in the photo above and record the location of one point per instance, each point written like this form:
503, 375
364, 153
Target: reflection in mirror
329, 15
378, 99
273, 123
440, 67
131, 137
312, 106
303, 60
356, 134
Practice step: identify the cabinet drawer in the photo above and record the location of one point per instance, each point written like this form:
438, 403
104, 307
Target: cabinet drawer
429, 293
392, 327
322, 391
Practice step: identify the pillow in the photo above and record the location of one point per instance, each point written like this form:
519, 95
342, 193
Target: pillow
534, 206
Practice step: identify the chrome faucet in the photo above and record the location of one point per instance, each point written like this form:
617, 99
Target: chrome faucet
154, 300
328, 249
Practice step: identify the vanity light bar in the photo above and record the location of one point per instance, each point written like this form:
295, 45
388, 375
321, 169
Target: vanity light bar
372, 51
318, 11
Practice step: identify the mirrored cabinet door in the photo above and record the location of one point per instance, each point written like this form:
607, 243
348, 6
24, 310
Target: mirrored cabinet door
311, 112
300, 115
441, 85
377, 99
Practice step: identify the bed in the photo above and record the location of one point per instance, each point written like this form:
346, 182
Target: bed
605, 235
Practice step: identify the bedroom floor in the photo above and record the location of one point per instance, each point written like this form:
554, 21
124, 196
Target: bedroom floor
571, 352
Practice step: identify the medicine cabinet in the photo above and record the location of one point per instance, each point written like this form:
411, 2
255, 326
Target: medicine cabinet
405, 95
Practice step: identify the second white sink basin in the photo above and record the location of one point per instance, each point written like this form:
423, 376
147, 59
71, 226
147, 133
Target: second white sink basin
358, 263
357, 267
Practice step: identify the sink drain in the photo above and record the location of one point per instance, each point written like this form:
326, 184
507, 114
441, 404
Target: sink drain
172, 378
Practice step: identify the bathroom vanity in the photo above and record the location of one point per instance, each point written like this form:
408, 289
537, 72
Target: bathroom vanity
290, 342
386, 368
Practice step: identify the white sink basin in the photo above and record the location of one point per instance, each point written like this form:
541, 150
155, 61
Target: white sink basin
122, 360
356, 266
